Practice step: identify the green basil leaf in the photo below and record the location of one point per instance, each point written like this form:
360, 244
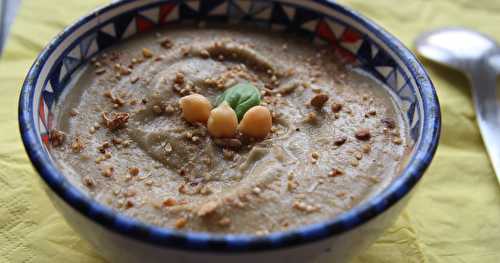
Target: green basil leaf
241, 97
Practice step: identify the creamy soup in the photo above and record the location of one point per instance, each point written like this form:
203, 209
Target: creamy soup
337, 137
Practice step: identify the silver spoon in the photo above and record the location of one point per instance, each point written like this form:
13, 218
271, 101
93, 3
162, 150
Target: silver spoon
478, 56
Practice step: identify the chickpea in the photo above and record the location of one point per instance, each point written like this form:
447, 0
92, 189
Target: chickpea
256, 122
195, 108
222, 121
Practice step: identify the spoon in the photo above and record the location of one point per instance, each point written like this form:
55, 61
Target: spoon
478, 56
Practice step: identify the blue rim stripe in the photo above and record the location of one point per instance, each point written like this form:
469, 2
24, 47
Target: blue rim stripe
235, 243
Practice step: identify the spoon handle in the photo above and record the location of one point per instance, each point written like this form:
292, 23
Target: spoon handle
484, 93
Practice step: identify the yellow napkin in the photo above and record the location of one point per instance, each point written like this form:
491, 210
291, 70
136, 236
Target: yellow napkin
454, 215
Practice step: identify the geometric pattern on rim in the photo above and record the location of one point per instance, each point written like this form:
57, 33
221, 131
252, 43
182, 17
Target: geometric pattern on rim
351, 45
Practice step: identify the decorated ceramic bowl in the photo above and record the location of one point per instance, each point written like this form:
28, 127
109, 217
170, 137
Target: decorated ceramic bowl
359, 41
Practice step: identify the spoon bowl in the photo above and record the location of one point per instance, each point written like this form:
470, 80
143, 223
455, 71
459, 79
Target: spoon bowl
455, 47
478, 56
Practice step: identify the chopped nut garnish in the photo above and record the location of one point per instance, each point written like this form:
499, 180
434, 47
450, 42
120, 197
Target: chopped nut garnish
133, 171
124, 71
147, 53
204, 53
366, 148
225, 221
102, 148
77, 146
389, 123
205, 190
397, 141
354, 162
129, 204
228, 142
169, 202
336, 107
108, 172
256, 190
372, 113
73, 112
181, 222
115, 120
362, 134
358, 155
88, 181
167, 148
182, 189
169, 109
207, 209
312, 118
56, 137
335, 172
292, 185
133, 80
157, 109
116, 141
340, 140
166, 43
100, 71
315, 155
302, 206
228, 154
130, 193
319, 100
179, 78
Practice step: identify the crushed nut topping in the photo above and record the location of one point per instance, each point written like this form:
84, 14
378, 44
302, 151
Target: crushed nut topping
166, 43
129, 204
205, 54
340, 140
169, 202
389, 123
312, 118
335, 172
228, 154
56, 137
100, 71
147, 53
133, 171
363, 134
88, 181
304, 207
207, 209
179, 78
397, 141
228, 142
336, 107
169, 109
366, 148
115, 120
77, 146
102, 148
181, 222
319, 100
133, 80
73, 113
225, 221
108, 172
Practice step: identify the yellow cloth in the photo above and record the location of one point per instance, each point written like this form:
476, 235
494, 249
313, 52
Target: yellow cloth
454, 216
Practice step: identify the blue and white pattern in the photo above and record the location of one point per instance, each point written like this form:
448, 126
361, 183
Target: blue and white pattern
358, 41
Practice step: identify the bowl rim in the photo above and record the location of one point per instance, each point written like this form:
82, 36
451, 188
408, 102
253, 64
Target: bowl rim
200, 241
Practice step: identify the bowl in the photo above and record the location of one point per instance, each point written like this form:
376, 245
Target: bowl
360, 42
